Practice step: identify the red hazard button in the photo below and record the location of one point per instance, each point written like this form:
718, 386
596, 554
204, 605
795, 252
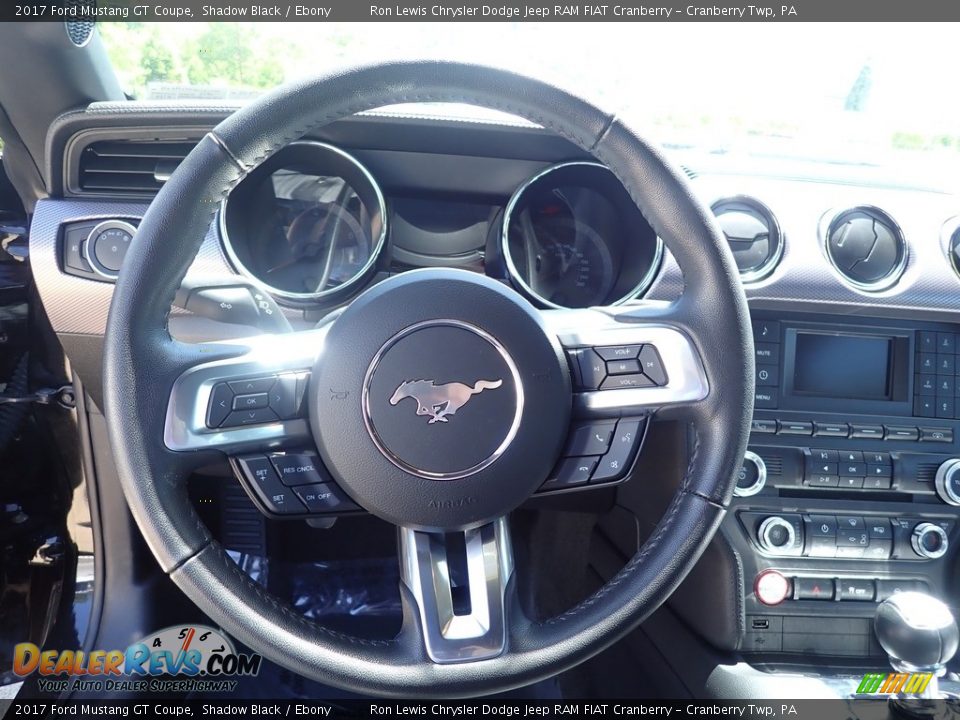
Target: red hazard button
813, 588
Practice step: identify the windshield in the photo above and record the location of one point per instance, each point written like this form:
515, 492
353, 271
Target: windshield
851, 94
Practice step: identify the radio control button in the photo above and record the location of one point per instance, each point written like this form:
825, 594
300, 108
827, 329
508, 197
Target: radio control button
766, 331
876, 458
902, 432
873, 432
623, 367
831, 429
766, 352
592, 369
946, 364
926, 385
853, 469
796, 428
766, 398
822, 480
927, 341
763, 427
876, 483
945, 407
946, 342
851, 456
948, 482
925, 407
768, 375
927, 363
619, 352
752, 476
850, 482
883, 471
945, 385
822, 468
942, 435
652, 365
626, 382
824, 456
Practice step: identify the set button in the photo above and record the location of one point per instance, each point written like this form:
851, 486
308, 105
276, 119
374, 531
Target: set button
293, 483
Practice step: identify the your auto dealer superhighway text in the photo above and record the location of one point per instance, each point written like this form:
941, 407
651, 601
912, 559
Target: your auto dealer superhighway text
457, 12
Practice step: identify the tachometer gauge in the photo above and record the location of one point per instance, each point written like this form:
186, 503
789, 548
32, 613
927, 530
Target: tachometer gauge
308, 223
573, 238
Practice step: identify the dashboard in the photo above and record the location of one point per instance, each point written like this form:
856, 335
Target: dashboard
850, 489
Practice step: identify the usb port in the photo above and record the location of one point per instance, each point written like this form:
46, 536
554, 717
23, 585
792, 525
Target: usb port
761, 624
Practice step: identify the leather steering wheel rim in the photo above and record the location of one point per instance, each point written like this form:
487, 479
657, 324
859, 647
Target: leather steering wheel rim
141, 363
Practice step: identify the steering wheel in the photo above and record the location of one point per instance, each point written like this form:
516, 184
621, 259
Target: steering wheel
459, 451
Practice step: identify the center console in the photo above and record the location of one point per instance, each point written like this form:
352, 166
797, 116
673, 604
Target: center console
849, 491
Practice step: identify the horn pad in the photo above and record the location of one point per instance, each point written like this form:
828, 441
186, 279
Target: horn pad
439, 400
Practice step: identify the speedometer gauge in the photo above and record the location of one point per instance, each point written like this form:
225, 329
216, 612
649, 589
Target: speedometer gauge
309, 223
573, 238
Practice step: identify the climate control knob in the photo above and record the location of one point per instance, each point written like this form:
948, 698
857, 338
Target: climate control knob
948, 482
752, 476
929, 541
776, 534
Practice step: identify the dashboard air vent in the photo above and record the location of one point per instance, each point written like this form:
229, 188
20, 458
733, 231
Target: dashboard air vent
753, 234
866, 246
125, 167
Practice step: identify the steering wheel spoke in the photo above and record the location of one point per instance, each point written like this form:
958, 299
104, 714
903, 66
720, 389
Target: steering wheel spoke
625, 367
458, 581
250, 400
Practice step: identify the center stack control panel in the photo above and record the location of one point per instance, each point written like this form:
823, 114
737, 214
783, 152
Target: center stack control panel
850, 488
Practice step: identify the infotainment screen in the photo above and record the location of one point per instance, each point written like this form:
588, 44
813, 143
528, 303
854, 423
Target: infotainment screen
843, 366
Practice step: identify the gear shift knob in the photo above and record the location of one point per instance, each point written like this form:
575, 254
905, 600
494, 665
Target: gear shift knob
917, 631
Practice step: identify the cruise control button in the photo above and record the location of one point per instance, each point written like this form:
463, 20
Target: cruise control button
325, 498
250, 402
266, 484
254, 385
616, 463
652, 366
570, 473
626, 382
299, 468
221, 403
592, 439
619, 352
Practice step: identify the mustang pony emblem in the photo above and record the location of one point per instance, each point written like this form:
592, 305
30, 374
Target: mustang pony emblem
438, 401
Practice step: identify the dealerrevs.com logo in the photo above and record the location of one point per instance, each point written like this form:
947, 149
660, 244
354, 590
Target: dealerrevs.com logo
178, 658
